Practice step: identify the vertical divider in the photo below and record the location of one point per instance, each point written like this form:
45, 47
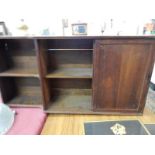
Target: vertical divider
6, 85
42, 66
3, 64
93, 106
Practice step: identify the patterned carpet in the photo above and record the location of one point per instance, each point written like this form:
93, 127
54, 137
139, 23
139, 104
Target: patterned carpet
150, 102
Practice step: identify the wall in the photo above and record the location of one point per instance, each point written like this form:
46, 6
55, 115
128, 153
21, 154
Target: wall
128, 15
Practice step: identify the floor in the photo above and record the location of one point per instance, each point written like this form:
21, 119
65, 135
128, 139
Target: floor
74, 124
151, 100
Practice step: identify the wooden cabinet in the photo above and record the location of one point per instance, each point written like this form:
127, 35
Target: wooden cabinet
78, 75
19, 74
121, 74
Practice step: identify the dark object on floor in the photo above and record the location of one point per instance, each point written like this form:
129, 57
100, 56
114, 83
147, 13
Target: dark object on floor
150, 128
152, 86
125, 127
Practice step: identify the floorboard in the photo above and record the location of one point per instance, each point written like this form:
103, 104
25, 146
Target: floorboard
57, 124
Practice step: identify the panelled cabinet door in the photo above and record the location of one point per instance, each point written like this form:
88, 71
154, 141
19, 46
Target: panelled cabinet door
122, 71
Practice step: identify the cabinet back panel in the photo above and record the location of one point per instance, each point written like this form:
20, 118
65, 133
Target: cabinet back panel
70, 44
58, 59
21, 90
27, 81
70, 83
28, 92
18, 54
28, 62
21, 46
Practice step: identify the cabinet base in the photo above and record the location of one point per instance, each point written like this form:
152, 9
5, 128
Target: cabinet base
94, 113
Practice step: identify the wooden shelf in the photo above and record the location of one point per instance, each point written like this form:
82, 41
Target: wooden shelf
26, 101
71, 101
71, 49
17, 72
70, 73
27, 96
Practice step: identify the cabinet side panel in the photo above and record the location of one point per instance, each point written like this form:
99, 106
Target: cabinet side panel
3, 56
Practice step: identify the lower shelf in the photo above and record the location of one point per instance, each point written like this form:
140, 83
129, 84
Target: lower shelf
70, 101
27, 96
26, 101
78, 101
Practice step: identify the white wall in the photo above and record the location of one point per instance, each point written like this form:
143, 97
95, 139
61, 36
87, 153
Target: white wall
127, 15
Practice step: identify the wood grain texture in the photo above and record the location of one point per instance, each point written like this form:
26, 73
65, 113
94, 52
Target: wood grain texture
18, 58
20, 45
69, 49
42, 66
27, 63
27, 98
70, 101
60, 124
69, 83
69, 95
69, 57
70, 43
71, 72
20, 72
21, 91
121, 69
69, 64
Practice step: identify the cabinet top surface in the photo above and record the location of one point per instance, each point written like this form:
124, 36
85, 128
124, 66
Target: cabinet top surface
77, 37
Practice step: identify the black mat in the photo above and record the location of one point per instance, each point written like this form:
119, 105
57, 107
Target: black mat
125, 127
150, 128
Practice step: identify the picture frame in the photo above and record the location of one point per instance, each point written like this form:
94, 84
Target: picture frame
3, 29
79, 29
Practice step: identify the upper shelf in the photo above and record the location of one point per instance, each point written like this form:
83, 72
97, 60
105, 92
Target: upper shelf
70, 49
16, 72
76, 37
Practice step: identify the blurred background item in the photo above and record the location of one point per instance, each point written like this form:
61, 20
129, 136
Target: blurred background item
64, 25
22, 28
79, 29
3, 29
149, 28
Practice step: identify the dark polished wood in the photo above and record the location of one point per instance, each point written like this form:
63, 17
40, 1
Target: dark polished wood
21, 91
87, 75
42, 65
121, 74
18, 58
78, 37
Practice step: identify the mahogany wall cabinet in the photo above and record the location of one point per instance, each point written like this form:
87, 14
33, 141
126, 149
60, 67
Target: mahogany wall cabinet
77, 75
